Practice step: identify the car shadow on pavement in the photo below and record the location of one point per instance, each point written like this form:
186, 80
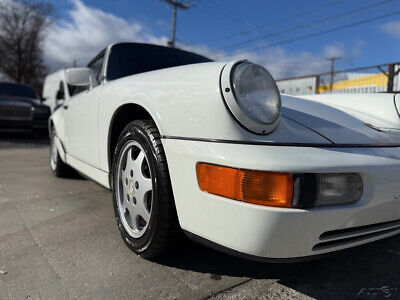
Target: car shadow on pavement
365, 272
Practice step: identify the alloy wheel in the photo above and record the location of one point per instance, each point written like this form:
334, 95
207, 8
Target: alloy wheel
134, 189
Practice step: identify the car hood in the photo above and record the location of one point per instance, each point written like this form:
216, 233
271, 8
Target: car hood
23, 102
18, 99
347, 119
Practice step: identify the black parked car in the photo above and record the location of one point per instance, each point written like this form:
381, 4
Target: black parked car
21, 109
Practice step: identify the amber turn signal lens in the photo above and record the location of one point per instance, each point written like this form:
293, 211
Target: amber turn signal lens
257, 187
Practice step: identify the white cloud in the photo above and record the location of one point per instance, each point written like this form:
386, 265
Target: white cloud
336, 50
392, 28
88, 30
283, 64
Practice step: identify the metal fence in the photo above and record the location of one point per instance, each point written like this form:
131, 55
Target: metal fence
372, 79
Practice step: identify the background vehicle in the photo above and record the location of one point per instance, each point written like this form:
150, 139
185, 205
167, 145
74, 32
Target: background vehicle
214, 149
55, 90
21, 109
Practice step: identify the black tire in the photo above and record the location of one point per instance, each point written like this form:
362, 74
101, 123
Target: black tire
163, 229
58, 167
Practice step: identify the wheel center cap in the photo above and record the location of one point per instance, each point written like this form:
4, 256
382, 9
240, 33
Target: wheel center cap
131, 188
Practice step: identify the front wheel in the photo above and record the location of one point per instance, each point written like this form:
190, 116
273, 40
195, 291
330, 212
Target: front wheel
142, 193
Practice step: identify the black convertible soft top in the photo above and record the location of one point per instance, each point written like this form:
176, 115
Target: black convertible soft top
127, 59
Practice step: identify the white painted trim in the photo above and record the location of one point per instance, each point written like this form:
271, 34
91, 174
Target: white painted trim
93, 173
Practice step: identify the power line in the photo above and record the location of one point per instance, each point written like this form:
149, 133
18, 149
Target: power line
290, 18
223, 15
326, 31
175, 5
213, 15
225, 8
229, 13
256, 28
309, 24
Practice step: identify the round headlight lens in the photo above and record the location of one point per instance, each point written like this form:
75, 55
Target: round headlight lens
256, 92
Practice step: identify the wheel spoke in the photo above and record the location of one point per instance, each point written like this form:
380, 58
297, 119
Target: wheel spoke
124, 181
146, 185
139, 161
123, 196
123, 203
142, 210
133, 216
129, 155
141, 197
130, 163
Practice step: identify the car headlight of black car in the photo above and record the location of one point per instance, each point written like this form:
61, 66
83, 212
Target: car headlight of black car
41, 110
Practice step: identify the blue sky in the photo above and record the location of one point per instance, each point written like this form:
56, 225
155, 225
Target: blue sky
214, 27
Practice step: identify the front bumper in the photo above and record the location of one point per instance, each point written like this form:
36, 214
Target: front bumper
17, 125
281, 233
38, 122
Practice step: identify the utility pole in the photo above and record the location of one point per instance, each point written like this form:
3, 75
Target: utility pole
176, 4
332, 60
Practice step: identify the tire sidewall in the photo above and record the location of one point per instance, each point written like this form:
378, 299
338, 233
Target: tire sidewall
135, 132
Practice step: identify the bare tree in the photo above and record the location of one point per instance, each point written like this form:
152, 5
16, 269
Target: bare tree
22, 29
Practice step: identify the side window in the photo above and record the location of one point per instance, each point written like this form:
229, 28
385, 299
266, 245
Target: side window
96, 66
60, 95
73, 90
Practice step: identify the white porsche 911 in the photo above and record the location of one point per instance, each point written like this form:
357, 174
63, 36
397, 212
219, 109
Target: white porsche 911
213, 149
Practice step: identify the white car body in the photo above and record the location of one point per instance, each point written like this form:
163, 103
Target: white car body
315, 134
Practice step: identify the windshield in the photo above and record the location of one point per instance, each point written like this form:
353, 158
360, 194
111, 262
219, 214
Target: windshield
131, 58
16, 90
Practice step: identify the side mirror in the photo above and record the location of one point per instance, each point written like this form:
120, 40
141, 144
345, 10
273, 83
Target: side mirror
80, 77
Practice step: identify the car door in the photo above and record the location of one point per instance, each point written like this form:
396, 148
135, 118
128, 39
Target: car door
56, 100
82, 119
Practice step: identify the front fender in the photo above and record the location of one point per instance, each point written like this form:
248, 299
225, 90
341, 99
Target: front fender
178, 99
186, 103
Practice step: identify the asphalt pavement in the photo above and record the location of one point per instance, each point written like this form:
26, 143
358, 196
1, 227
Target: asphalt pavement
59, 240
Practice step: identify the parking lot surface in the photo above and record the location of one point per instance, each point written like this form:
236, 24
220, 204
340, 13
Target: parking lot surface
59, 239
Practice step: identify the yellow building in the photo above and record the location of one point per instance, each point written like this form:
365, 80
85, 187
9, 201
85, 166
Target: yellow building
359, 83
